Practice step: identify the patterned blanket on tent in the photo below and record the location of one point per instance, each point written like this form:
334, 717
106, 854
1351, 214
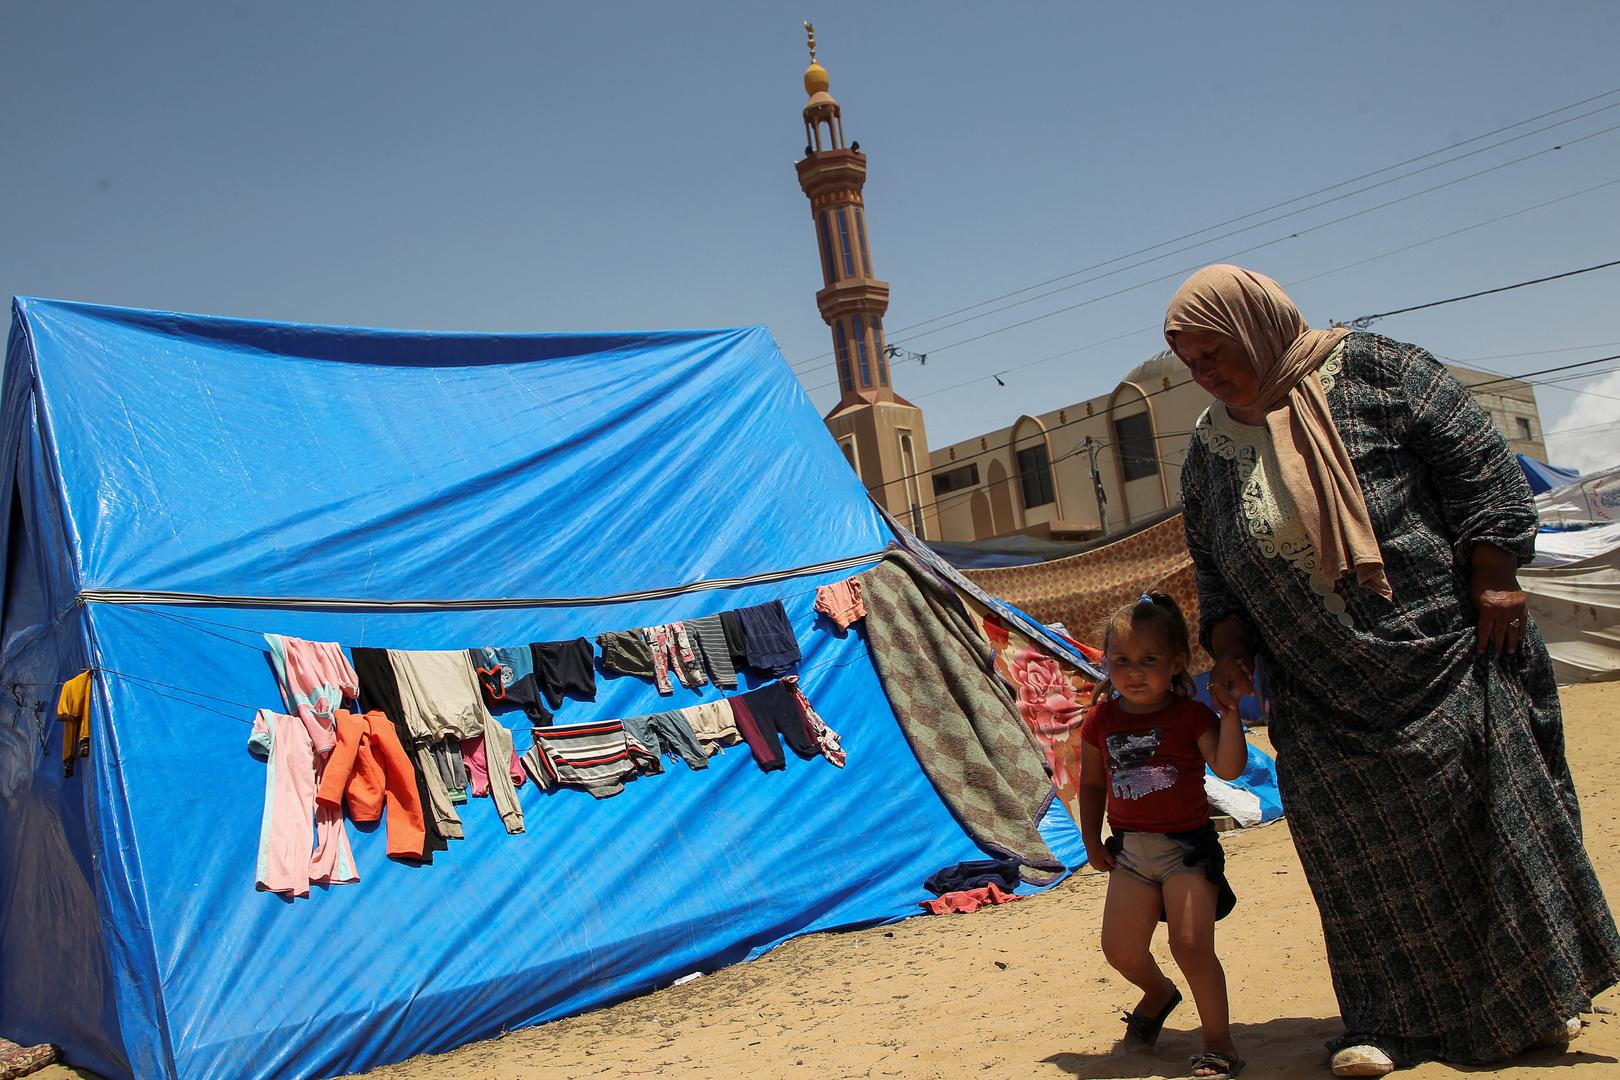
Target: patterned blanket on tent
1078, 592
938, 673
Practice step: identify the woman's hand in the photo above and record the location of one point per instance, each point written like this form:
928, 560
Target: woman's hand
1232, 677
1499, 605
1099, 856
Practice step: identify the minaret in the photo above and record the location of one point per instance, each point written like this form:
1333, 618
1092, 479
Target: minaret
880, 432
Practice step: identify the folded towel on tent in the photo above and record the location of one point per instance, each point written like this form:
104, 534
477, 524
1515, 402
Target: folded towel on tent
959, 716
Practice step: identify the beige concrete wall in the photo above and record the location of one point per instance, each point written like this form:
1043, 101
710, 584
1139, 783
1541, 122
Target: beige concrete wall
1512, 405
876, 430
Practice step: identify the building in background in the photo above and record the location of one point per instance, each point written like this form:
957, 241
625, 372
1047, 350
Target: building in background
1104, 465
880, 432
1512, 405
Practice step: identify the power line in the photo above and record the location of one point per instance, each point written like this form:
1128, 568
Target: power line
1544, 371
1283, 203
955, 499
1236, 254
1583, 427
1367, 320
1534, 352
1272, 220
1456, 232
1012, 441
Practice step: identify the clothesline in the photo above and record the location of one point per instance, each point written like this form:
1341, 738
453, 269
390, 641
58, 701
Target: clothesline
158, 596
257, 644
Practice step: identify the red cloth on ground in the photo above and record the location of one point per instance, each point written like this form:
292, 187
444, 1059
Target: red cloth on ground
970, 900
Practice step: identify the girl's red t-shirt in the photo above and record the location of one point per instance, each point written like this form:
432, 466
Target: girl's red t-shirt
1154, 767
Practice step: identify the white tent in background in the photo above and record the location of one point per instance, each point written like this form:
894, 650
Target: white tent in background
1577, 608
1574, 582
1594, 499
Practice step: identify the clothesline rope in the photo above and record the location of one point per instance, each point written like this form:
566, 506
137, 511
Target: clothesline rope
257, 634
152, 596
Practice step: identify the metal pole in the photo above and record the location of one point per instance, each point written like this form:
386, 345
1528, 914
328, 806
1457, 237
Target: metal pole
1096, 484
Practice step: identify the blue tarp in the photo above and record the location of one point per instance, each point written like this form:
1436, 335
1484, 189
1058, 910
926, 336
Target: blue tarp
1545, 477
147, 452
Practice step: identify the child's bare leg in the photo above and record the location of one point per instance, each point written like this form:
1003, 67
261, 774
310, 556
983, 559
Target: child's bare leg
1130, 915
1189, 905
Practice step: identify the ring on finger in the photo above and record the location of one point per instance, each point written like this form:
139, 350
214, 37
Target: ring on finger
1513, 624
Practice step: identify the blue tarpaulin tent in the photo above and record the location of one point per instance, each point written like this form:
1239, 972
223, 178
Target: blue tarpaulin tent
176, 486
1545, 477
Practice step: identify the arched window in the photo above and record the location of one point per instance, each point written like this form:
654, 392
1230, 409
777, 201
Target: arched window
1138, 450
829, 269
1032, 451
866, 254
843, 234
843, 355
882, 350
860, 351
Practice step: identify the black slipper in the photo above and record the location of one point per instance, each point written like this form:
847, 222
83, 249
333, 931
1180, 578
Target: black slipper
1144, 1030
1227, 1065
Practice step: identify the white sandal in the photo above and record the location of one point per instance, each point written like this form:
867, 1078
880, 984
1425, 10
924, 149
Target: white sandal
1362, 1060
1562, 1035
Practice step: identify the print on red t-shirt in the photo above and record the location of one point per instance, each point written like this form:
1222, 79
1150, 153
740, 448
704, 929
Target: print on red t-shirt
1154, 767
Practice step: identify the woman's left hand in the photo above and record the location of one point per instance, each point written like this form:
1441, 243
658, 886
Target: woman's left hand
1499, 604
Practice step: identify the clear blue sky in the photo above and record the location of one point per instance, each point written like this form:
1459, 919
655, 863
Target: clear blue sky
522, 166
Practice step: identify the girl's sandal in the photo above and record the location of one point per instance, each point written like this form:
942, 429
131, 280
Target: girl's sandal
1144, 1030
1216, 1065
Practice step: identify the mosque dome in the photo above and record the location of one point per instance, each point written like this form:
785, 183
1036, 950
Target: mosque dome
1155, 368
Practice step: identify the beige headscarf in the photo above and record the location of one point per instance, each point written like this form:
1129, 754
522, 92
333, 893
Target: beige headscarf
1253, 310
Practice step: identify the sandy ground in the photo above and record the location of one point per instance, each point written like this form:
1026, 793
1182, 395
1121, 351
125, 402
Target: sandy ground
1021, 991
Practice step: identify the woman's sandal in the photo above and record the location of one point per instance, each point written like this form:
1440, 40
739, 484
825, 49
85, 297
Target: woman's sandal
1363, 1059
1144, 1030
1220, 1066
1561, 1036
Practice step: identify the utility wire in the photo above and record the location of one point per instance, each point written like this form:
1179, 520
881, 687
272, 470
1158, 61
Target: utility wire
1524, 377
1235, 232
1233, 255
1266, 209
954, 499
1545, 371
1367, 320
1455, 232
1583, 427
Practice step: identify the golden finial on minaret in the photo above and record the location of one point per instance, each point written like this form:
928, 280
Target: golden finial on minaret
815, 76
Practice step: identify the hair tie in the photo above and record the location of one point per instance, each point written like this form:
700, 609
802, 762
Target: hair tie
1146, 599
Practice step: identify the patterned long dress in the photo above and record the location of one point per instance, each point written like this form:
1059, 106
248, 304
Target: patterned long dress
1427, 789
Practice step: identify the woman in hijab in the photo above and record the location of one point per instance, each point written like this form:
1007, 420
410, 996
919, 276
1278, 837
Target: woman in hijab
1356, 523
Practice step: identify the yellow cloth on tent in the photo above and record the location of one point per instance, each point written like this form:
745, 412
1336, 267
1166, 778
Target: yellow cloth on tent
73, 709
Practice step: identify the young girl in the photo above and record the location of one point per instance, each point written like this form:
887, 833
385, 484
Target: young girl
1143, 748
